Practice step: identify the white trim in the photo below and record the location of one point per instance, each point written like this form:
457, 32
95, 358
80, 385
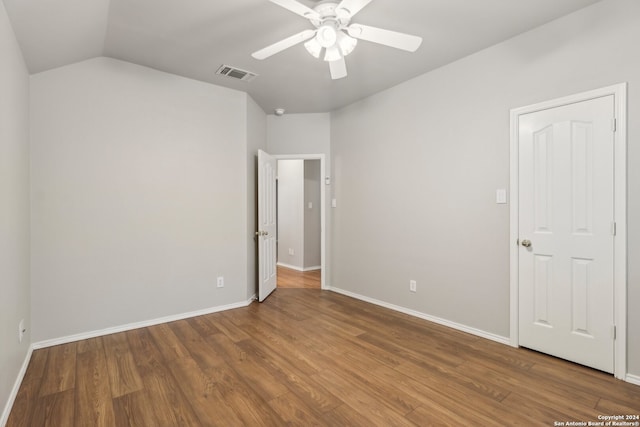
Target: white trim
16, 387
453, 325
289, 266
137, 325
323, 211
296, 268
633, 379
619, 92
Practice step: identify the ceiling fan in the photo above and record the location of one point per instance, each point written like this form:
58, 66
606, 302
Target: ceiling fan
335, 35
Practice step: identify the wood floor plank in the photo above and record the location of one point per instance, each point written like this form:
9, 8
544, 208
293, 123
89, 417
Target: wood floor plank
201, 350
203, 325
166, 400
290, 278
295, 412
28, 394
299, 383
55, 410
134, 410
144, 350
123, 372
90, 344
228, 328
535, 412
553, 391
361, 401
262, 382
37, 365
344, 415
201, 391
60, 373
276, 340
596, 382
247, 404
93, 404
444, 396
168, 343
308, 357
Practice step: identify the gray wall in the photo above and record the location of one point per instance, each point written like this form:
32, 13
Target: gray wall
420, 163
312, 224
139, 196
14, 210
299, 134
291, 213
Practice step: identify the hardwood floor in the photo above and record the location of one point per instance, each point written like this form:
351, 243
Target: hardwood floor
308, 357
288, 278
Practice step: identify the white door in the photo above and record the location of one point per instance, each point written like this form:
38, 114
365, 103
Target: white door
566, 214
266, 225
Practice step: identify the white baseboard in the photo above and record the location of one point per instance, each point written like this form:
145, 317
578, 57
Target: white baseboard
443, 322
633, 379
289, 266
137, 325
296, 268
4, 417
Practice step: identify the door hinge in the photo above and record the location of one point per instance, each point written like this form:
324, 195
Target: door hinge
613, 228
613, 331
614, 125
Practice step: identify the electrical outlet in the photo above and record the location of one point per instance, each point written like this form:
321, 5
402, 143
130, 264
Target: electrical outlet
220, 282
291, 251
21, 330
412, 285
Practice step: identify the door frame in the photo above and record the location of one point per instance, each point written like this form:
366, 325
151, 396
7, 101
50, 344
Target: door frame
619, 91
323, 209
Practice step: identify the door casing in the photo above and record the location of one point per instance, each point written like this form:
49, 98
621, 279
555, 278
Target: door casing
619, 92
323, 210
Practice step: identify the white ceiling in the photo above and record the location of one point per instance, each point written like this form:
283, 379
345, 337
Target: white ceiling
192, 38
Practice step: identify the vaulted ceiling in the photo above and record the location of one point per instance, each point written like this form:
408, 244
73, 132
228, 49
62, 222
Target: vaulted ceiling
192, 38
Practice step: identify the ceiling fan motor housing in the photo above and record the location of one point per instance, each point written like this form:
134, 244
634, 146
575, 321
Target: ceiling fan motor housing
328, 12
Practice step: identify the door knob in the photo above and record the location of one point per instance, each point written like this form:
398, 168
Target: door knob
526, 243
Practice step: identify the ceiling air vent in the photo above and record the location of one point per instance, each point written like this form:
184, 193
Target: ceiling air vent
236, 73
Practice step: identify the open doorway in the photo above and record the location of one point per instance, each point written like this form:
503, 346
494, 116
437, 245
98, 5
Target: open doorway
300, 215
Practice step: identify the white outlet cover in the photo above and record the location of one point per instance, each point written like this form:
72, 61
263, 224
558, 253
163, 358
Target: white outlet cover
221, 282
501, 196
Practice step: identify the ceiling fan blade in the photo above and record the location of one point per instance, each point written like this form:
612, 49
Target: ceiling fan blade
283, 44
338, 69
353, 6
386, 37
297, 8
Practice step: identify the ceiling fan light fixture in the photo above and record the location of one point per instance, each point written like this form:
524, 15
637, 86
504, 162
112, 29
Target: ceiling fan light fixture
332, 54
346, 44
313, 47
327, 35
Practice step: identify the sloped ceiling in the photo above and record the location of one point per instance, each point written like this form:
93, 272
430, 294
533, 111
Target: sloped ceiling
192, 38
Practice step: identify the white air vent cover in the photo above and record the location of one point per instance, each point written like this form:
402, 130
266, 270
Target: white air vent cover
236, 73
